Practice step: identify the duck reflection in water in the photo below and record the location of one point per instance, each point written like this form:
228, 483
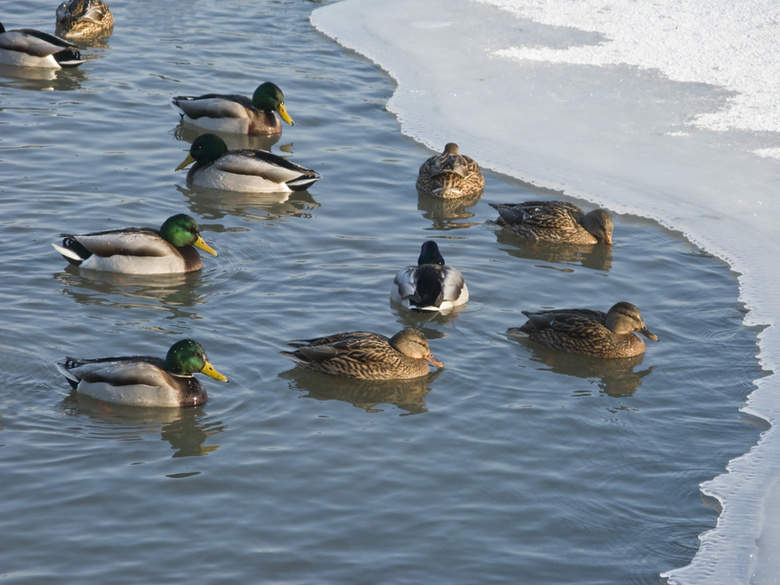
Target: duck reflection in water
585, 255
616, 377
185, 429
368, 395
447, 214
174, 292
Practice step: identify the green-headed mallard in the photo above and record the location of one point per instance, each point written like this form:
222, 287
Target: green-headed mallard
555, 221
431, 285
84, 18
26, 47
236, 114
139, 250
366, 356
249, 170
588, 332
450, 175
144, 380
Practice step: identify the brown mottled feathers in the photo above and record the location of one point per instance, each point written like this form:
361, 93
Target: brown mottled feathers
366, 356
588, 332
555, 221
450, 175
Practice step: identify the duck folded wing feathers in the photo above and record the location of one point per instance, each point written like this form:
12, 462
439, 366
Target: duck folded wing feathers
136, 242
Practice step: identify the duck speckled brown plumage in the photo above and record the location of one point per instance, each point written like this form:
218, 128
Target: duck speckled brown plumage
84, 18
450, 175
366, 356
588, 332
555, 221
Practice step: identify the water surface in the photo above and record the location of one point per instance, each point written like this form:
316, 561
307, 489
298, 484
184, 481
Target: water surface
511, 464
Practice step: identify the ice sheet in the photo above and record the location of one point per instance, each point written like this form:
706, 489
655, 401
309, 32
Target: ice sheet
656, 109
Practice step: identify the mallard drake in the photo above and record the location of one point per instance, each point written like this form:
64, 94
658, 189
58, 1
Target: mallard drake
555, 221
236, 114
84, 18
431, 285
144, 380
136, 250
26, 47
588, 332
366, 356
249, 170
450, 175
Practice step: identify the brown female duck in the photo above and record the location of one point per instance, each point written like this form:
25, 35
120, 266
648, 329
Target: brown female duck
450, 175
555, 221
588, 332
366, 356
84, 18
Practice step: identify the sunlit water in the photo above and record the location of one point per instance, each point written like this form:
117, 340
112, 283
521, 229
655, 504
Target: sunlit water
512, 464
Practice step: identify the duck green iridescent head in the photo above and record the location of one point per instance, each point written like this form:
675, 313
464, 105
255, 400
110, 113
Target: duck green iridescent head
205, 149
187, 357
181, 230
269, 98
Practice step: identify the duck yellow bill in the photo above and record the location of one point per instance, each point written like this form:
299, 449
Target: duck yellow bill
649, 334
209, 370
429, 358
187, 161
285, 116
199, 243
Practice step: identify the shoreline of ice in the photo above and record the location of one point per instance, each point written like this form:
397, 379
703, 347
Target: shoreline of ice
688, 136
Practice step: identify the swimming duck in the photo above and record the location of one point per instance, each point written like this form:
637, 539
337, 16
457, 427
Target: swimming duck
450, 175
366, 356
139, 250
236, 114
246, 169
144, 380
588, 332
26, 47
555, 221
84, 18
431, 285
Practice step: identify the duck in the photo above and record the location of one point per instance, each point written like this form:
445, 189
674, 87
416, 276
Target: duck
26, 47
556, 221
144, 380
450, 175
589, 332
84, 18
363, 355
431, 285
138, 250
248, 170
236, 114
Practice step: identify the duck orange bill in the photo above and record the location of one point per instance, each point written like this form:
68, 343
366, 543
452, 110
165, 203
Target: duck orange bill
200, 243
429, 358
285, 116
209, 370
187, 161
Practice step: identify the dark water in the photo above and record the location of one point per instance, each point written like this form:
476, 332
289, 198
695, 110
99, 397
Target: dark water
512, 465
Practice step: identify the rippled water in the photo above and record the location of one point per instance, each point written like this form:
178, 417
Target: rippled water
512, 464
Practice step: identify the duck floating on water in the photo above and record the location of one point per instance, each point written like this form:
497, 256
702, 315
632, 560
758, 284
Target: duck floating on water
84, 18
366, 356
144, 380
450, 175
247, 170
135, 250
26, 47
431, 285
555, 221
236, 114
589, 332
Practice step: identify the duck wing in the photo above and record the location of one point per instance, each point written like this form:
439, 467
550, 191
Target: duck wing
117, 371
213, 105
126, 242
